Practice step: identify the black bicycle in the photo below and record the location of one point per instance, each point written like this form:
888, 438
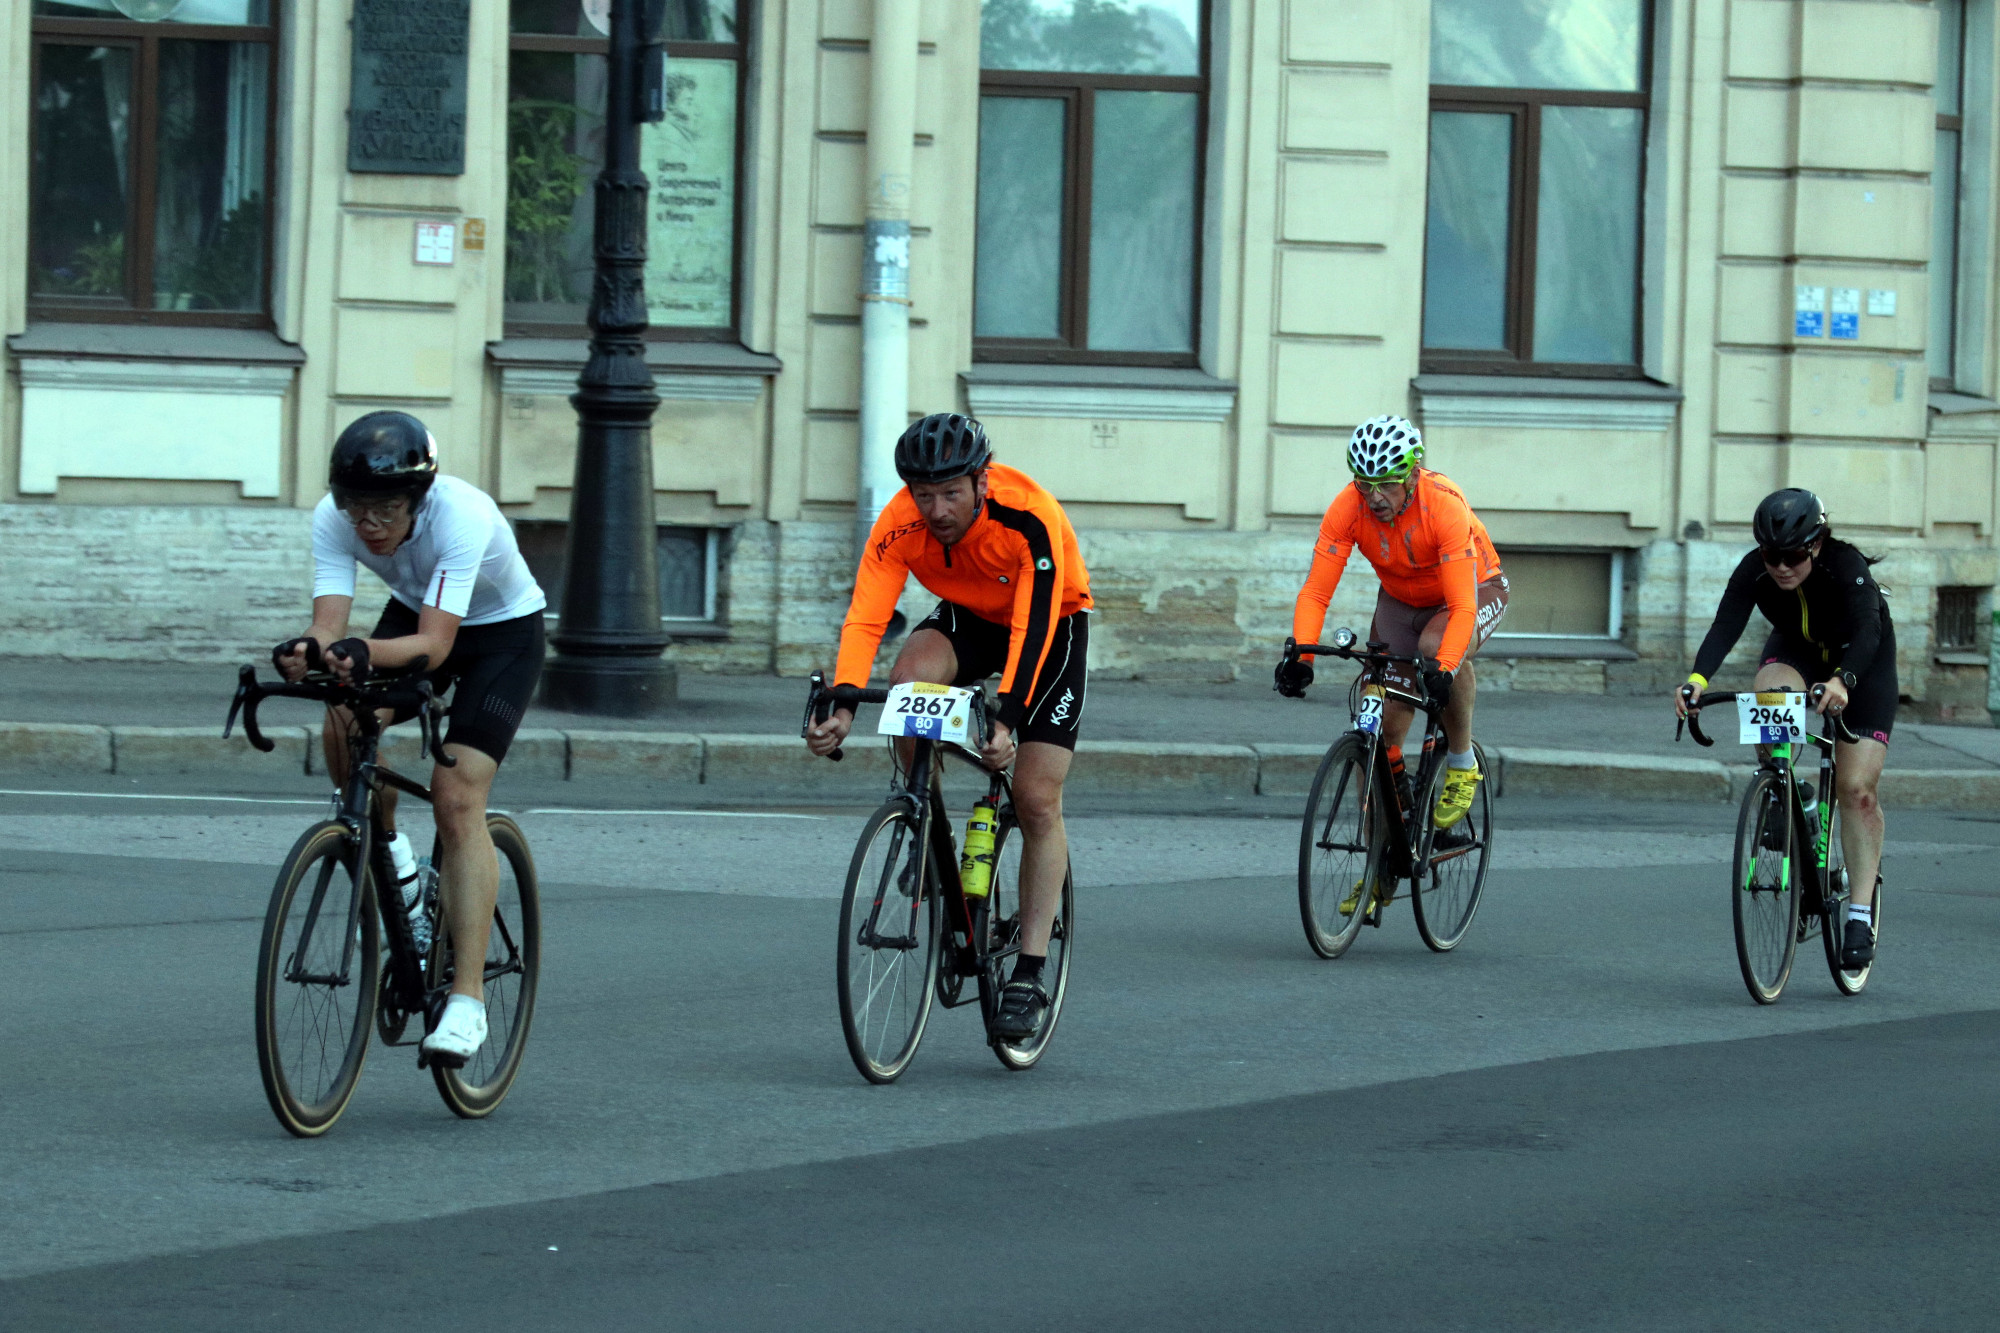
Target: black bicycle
1361, 837
321, 982
910, 931
1790, 875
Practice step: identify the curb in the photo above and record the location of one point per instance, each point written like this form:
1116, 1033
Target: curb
779, 764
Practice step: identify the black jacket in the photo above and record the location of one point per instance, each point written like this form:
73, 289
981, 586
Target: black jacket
1837, 616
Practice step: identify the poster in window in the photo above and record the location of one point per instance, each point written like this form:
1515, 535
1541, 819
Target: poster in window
691, 158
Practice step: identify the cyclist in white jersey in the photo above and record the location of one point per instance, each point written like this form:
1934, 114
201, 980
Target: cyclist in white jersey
461, 597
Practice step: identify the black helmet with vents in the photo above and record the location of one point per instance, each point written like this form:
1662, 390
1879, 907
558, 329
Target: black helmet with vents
941, 446
380, 456
1789, 520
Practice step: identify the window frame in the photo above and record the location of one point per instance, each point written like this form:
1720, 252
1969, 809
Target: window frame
739, 51
141, 203
1079, 92
1954, 124
1525, 105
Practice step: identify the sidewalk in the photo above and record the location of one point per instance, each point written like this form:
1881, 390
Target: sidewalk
741, 731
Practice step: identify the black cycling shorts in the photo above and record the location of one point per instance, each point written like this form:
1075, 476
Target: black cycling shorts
1055, 708
1871, 704
494, 668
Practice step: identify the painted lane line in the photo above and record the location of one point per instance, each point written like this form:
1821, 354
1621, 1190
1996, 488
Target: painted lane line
707, 814
150, 796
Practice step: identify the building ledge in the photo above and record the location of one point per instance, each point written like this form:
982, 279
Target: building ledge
1952, 404
698, 371
152, 342
1580, 649
1545, 403
1119, 393
1967, 658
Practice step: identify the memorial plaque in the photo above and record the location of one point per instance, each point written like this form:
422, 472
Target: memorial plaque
406, 110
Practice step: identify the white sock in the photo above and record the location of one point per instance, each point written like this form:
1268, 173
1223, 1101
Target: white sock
1459, 759
1865, 915
406, 859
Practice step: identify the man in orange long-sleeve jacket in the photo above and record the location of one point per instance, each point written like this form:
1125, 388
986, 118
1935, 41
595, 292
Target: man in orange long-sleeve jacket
1442, 590
1000, 552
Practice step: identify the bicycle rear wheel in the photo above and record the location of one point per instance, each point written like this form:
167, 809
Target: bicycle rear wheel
317, 972
1000, 920
888, 957
1339, 852
513, 969
1451, 874
1835, 925
1764, 897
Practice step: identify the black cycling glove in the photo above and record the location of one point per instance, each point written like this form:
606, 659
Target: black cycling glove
1437, 687
314, 662
356, 651
1292, 677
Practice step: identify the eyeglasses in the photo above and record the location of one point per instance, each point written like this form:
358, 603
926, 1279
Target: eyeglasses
1791, 559
376, 515
1377, 486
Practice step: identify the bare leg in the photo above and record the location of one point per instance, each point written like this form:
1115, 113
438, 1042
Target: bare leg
1039, 772
470, 875
334, 735
1778, 676
1857, 768
927, 656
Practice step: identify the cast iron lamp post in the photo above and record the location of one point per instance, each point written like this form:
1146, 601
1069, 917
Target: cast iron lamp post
608, 639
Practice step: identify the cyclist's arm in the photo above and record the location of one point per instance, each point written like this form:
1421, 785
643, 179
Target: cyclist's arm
1330, 552
1458, 579
437, 631
1038, 597
1863, 605
1730, 619
878, 584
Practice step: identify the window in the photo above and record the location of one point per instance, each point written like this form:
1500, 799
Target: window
1092, 118
556, 71
1949, 93
1563, 594
1532, 232
689, 562
150, 192
1958, 619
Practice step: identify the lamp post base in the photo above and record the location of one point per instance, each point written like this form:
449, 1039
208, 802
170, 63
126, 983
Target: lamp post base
610, 686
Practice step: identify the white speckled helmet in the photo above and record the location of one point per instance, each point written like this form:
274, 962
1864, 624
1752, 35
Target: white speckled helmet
1385, 449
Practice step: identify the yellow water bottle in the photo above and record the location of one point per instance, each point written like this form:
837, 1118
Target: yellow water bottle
975, 867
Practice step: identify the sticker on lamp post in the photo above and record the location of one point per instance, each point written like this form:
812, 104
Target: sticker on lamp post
1847, 312
1809, 312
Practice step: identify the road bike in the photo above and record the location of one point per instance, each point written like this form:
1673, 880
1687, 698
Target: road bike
1361, 837
321, 979
1790, 876
910, 933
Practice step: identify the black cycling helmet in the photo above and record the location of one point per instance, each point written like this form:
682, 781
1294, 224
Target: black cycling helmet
942, 446
383, 454
1789, 520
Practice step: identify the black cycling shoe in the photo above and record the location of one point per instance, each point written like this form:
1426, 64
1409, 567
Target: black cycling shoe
1023, 1006
1451, 839
1857, 946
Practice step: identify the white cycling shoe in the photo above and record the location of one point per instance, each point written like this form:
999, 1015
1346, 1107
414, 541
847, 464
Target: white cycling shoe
460, 1032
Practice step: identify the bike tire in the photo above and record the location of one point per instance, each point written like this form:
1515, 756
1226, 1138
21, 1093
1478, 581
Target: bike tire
1764, 893
513, 975
1340, 852
999, 921
1450, 881
313, 1035
1834, 924
887, 981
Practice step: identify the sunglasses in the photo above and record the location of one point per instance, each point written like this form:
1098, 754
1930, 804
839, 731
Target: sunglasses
1791, 559
1377, 486
375, 516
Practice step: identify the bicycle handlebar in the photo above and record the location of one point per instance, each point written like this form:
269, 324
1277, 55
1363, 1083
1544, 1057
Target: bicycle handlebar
325, 688
1375, 652
823, 698
1697, 702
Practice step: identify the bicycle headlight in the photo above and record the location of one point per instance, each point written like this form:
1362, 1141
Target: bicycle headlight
1343, 638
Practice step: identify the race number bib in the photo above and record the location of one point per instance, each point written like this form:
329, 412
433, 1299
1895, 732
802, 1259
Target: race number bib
932, 712
1771, 718
1369, 719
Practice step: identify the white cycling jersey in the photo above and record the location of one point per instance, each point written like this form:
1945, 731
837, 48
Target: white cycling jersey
461, 557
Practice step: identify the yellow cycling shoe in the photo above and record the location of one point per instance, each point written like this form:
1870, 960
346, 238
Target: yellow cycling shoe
1456, 798
1352, 901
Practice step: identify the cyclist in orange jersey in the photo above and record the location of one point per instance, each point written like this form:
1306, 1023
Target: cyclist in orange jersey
1000, 552
1442, 594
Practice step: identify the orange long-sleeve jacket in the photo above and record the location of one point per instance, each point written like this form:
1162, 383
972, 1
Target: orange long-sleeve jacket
1017, 565
1436, 552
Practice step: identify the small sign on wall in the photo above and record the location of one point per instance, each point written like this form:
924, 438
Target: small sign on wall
434, 242
1809, 312
1847, 312
1882, 300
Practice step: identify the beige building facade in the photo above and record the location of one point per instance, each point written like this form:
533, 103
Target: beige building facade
1630, 266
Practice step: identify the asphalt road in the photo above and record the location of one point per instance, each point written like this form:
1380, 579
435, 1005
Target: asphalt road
1578, 1120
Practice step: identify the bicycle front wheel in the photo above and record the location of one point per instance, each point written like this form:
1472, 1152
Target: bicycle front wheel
1339, 848
1451, 873
888, 944
317, 972
513, 968
1846, 981
1001, 922
1764, 895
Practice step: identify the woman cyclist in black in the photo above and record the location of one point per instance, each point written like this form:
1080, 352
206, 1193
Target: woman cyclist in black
1831, 625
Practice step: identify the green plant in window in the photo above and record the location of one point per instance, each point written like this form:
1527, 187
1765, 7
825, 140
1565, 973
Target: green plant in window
95, 268
225, 271
544, 181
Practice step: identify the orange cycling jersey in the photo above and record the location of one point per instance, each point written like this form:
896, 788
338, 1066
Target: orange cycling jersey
1436, 552
1017, 565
